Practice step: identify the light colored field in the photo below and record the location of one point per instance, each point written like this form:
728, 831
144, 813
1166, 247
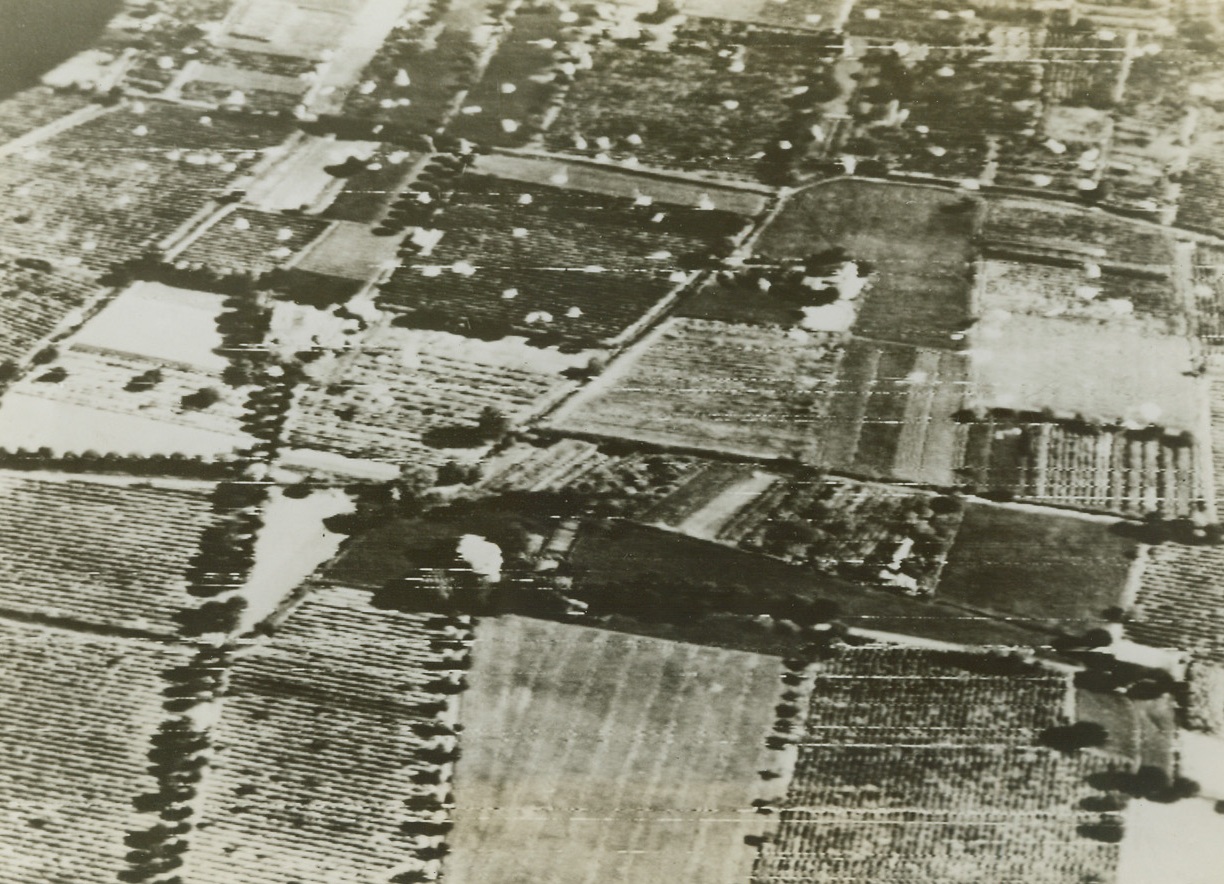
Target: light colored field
703, 384
1109, 374
161, 323
613, 182
237, 78
299, 179
593, 756
351, 251
288, 27
1171, 842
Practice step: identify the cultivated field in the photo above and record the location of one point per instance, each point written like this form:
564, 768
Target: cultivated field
79, 711
626, 561
722, 98
595, 756
34, 302
551, 263
1147, 304
891, 412
888, 535
249, 241
323, 744
1077, 465
700, 384
63, 206
100, 553
1180, 602
916, 766
142, 376
917, 240
1064, 230
388, 398
1062, 571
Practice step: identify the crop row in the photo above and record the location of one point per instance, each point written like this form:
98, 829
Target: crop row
248, 241
1117, 470
1180, 601
333, 750
104, 554
79, 712
384, 410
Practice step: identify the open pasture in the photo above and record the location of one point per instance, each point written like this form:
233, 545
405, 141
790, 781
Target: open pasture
320, 750
1101, 373
596, 756
350, 251
699, 384
96, 552
916, 239
1062, 570
79, 712
918, 765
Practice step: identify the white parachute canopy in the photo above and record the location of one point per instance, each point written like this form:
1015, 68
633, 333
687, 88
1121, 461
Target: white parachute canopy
483, 556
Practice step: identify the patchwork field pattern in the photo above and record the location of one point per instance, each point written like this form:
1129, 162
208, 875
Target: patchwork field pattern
912, 768
340, 699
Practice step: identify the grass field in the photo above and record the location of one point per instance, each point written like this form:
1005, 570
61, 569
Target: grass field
1032, 565
592, 756
916, 238
618, 554
1071, 368
702, 384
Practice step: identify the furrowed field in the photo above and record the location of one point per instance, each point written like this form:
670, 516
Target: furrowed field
594, 756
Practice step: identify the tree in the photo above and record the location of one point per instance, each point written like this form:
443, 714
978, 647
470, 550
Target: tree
201, 399
492, 424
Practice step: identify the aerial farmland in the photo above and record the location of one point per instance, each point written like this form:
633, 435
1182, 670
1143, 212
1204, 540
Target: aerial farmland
689, 441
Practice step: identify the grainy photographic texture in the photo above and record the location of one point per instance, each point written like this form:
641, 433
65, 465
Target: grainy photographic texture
626, 442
